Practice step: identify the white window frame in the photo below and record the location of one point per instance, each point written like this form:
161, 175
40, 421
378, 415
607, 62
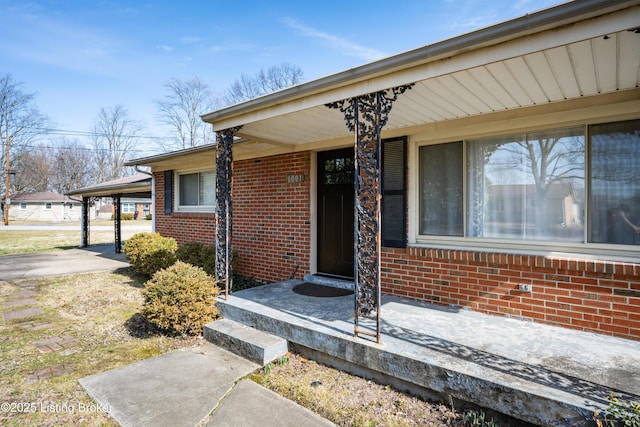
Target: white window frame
125, 207
582, 250
23, 206
48, 206
177, 207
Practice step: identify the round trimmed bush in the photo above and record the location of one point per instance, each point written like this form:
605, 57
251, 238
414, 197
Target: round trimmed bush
198, 254
150, 252
180, 299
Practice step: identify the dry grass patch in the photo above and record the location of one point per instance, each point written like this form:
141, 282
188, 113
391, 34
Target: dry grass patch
100, 313
348, 400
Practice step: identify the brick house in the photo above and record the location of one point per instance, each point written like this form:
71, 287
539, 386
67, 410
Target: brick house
540, 103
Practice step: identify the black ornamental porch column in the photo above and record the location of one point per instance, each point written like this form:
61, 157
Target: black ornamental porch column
117, 224
366, 115
84, 223
224, 254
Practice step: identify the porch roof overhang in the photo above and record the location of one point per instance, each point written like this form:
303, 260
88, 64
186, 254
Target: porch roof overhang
577, 50
202, 155
131, 186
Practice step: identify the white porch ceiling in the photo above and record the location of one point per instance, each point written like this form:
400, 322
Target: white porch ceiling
598, 65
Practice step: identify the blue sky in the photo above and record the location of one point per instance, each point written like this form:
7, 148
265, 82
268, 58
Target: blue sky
80, 56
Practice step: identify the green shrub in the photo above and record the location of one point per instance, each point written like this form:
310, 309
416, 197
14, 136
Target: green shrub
180, 299
479, 419
148, 217
198, 254
150, 252
123, 217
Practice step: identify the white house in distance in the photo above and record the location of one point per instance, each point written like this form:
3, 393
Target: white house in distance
43, 206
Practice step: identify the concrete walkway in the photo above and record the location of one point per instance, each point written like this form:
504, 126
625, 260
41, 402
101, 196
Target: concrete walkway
183, 387
62, 262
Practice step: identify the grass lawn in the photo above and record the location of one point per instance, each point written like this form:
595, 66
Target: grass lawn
27, 241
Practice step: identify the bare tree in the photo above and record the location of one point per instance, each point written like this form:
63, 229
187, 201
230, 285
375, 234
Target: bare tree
20, 119
549, 160
181, 108
265, 81
115, 135
72, 166
33, 168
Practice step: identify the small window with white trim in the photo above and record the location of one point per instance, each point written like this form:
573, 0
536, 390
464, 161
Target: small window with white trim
196, 191
128, 208
23, 206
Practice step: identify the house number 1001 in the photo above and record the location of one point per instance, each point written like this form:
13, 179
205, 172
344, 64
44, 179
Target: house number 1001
293, 178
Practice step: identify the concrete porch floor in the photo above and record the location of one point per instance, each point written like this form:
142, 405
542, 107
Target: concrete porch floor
537, 373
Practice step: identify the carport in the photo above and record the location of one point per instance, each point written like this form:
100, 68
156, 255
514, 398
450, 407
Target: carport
132, 186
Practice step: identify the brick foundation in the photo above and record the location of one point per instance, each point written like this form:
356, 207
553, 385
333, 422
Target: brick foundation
596, 296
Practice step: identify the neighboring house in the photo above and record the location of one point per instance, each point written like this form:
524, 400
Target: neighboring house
140, 208
518, 210
43, 206
472, 131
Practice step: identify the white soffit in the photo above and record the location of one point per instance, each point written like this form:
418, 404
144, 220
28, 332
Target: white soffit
609, 62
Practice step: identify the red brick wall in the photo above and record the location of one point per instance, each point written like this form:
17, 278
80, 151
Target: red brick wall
596, 296
271, 216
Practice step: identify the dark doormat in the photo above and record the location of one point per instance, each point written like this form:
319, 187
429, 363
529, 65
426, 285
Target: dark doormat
315, 290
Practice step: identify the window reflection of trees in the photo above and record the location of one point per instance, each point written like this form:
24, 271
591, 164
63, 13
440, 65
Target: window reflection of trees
525, 185
338, 171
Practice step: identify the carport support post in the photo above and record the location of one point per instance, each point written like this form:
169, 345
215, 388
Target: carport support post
117, 224
224, 208
84, 223
365, 116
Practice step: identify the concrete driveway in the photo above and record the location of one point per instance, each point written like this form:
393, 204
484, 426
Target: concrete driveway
61, 262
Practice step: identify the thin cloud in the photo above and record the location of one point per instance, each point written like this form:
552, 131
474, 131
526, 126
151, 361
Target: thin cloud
474, 22
335, 42
165, 47
230, 47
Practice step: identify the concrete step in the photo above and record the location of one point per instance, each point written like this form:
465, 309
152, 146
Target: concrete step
329, 281
252, 344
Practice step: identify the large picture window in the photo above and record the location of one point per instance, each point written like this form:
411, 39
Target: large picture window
196, 189
535, 186
527, 186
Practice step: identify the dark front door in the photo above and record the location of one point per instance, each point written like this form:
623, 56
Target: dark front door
335, 212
